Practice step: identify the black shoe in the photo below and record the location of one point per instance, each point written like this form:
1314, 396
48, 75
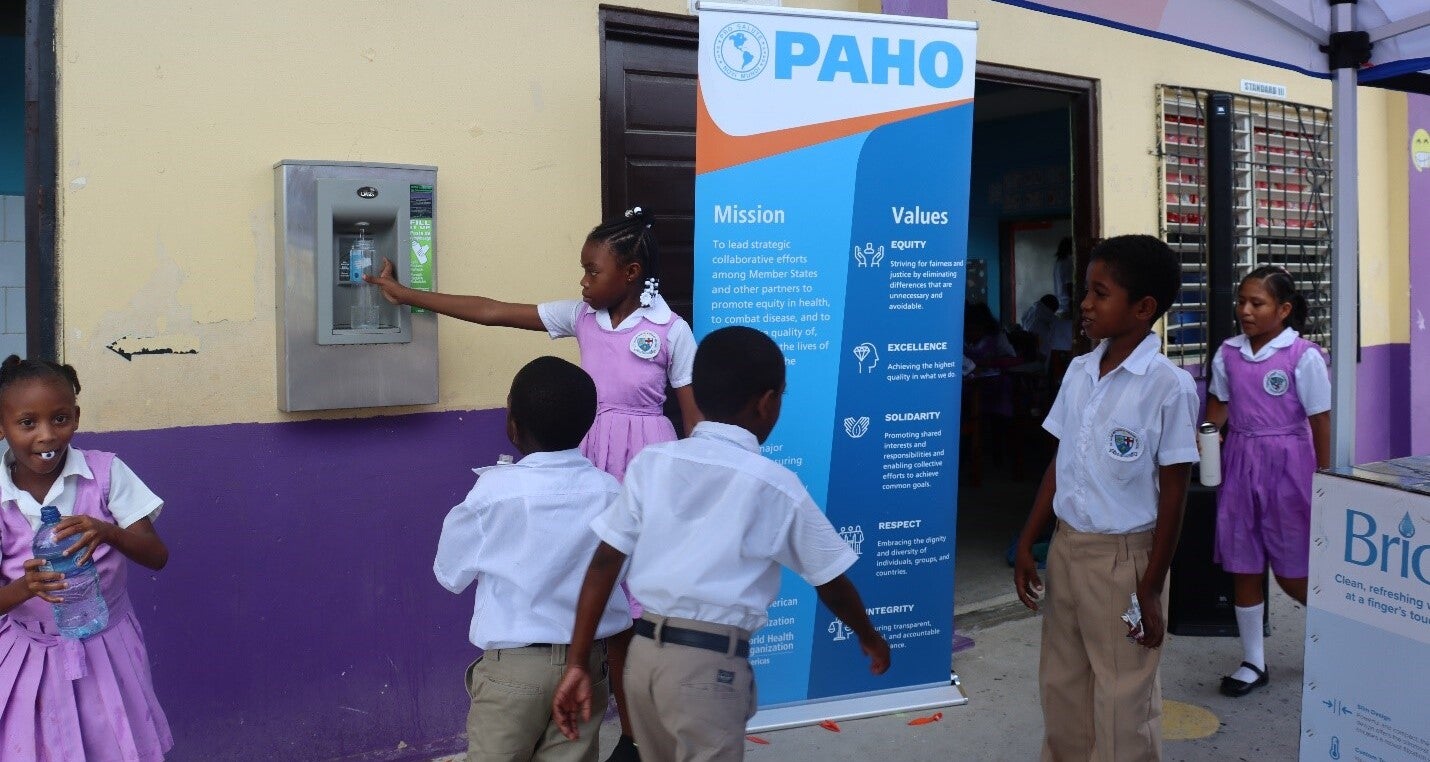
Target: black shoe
625, 751
1235, 688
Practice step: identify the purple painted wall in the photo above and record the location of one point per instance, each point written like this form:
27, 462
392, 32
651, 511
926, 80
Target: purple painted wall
935, 9
1382, 403
298, 617
1419, 193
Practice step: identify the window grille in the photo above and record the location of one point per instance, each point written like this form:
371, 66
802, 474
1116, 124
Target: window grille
1281, 169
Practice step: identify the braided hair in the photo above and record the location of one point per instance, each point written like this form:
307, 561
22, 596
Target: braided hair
14, 370
1278, 282
631, 240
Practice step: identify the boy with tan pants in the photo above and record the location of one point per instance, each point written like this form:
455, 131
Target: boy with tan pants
707, 522
1125, 422
523, 536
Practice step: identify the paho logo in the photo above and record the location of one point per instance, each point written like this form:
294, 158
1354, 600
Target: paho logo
741, 52
1393, 554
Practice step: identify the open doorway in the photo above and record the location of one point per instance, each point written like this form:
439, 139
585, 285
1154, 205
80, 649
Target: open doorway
1033, 193
12, 180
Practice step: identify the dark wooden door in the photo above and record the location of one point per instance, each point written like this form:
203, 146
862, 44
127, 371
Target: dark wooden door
648, 133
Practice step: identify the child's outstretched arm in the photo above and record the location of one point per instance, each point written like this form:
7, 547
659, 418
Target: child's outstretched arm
139, 542
843, 599
571, 705
473, 309
1172, 482
1025, 568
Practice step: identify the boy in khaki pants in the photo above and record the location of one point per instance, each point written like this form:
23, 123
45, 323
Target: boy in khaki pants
707, 522
523, 536
1125, 422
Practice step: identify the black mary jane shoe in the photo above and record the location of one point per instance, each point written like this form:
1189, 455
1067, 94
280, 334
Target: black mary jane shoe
625, 751
1235, 688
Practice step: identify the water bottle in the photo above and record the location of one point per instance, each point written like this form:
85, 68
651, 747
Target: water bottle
1209, 442
84, 611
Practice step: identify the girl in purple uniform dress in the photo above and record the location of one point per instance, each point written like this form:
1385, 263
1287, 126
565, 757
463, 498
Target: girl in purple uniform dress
631, 343
1272, 387
68, 699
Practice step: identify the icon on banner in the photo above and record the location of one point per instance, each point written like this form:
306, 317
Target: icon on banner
868, 357
868, 256
1335, 747
856, 427
839, 630
854, 536
741, 51
420, 250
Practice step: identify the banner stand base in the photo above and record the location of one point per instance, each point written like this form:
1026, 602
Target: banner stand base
857, 708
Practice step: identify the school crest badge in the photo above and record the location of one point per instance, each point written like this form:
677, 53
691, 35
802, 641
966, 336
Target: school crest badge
1276, 383
1124, 444
645, 345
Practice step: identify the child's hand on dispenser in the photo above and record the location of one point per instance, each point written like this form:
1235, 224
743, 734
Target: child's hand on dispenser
386, 281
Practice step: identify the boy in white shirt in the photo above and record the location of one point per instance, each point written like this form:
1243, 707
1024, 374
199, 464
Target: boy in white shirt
1125, 419
707, 522
523, 536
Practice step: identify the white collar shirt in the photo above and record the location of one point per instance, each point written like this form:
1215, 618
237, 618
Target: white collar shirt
1313, 379
708, 521
560, 321
523, 535
130, 499
1114, 432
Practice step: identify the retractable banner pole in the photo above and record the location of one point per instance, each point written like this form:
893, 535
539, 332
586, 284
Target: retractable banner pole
832, 181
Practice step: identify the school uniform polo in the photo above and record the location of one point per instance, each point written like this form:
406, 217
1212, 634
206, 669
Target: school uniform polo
130, 499
1101, 694
522, 535
707, 522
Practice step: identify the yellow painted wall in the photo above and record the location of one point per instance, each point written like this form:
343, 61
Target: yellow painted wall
172, 115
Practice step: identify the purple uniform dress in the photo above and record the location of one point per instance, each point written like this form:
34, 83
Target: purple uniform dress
65, 699
1264, 503
631, 369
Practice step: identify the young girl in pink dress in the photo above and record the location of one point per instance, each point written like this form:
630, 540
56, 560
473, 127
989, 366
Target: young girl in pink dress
1272, 387
631, 343
67, 699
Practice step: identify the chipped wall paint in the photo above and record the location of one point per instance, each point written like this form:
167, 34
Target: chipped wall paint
170, 122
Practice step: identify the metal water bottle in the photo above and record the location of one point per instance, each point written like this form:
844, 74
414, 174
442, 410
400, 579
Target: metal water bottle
1209, 442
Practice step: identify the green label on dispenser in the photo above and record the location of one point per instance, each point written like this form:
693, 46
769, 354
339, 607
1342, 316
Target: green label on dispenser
420, 222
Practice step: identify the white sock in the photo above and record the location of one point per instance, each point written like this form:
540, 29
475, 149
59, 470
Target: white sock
1253, 642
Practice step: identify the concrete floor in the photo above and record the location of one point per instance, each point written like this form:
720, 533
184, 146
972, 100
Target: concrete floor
1003, 721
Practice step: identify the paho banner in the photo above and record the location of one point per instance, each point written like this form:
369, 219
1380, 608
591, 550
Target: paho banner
832, 161
1368, 615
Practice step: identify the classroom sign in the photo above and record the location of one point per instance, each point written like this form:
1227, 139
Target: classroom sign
832, 161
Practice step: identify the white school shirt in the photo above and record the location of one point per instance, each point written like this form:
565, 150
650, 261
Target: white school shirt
522, 535
560, 321
708, 521
130, 499
1114, 432
1313, 380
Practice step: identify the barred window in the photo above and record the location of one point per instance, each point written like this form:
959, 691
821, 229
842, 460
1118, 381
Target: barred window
1281, 168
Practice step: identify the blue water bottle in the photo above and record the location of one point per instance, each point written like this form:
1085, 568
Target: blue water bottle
84, 611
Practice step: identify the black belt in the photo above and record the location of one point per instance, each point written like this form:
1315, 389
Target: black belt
693, 638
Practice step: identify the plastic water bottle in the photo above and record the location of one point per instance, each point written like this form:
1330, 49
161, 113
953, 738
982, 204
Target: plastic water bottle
1209, 442
84, 611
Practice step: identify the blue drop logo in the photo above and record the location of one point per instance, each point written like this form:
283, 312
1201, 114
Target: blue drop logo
1407, 527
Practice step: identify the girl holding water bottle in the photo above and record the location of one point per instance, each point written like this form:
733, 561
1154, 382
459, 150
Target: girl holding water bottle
1273, 388
68, 698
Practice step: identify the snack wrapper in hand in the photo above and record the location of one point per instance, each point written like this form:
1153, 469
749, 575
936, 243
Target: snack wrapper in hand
1133, 618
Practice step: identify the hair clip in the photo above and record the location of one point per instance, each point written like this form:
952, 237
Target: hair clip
652, 290
634, 211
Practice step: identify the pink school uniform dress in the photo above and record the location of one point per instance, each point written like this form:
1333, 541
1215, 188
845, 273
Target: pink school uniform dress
65, 699
1264, 502
632, 364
